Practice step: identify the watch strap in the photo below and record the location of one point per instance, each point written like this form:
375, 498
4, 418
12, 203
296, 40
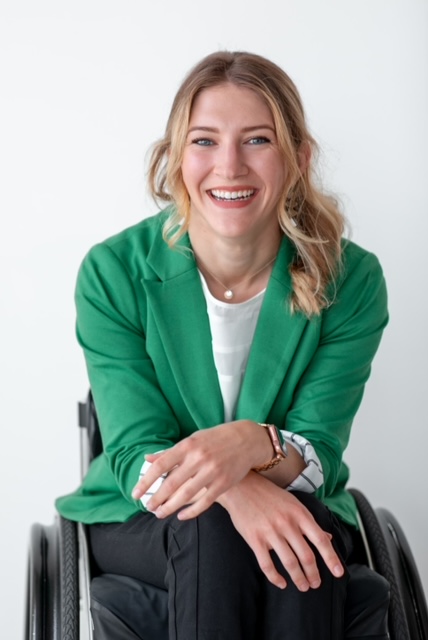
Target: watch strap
279, 447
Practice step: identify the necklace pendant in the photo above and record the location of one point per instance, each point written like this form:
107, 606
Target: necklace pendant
228, 294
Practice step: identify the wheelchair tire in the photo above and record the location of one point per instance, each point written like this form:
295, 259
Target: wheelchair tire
398, 626
405, 567
69, 579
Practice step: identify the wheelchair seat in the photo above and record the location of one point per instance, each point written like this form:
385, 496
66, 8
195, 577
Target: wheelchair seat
126, 608
68, 601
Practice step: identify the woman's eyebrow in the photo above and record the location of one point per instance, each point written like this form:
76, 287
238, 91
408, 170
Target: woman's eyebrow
210, 129
259, 126
244, 129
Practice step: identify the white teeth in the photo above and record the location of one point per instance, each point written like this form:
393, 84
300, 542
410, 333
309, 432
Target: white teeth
232, 195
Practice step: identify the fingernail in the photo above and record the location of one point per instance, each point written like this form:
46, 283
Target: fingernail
303, 586
338, 571
315, 584
135, 494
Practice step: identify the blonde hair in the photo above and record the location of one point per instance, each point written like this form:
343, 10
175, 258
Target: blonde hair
309, 217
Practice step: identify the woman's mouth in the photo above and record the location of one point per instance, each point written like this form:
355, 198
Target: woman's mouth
232, 196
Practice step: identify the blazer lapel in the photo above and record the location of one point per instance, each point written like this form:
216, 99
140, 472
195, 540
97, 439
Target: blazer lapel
276, 339
178, 305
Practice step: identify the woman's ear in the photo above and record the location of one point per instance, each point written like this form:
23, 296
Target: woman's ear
304, 156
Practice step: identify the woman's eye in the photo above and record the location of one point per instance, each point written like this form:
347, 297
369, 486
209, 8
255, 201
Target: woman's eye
259, 140
202, 142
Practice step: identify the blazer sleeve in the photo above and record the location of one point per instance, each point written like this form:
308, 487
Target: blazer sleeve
134, 415
331, 388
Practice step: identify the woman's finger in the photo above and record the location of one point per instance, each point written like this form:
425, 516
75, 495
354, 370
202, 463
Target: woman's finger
188, 492
322, 542
266, 564
194, 496
176, 491
305, 573
159, 468
151, 457
200, 503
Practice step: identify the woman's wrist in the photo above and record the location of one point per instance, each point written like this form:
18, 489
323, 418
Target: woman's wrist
234, 495
259, 443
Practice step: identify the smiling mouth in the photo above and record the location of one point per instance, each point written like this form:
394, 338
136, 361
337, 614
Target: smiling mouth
232, 196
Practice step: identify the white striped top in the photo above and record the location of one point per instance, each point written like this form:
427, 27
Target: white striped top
232, 330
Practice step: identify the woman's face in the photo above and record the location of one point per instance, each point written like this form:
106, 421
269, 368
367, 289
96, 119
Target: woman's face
232, 166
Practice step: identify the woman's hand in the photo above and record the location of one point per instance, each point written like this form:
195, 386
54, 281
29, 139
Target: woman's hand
203, 466
269, 518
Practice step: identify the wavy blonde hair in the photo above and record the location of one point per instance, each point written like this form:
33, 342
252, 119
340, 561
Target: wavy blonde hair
309, 217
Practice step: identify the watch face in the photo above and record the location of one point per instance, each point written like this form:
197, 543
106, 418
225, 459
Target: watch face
278, 444
283, 445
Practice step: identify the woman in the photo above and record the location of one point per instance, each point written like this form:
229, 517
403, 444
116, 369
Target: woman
228, 340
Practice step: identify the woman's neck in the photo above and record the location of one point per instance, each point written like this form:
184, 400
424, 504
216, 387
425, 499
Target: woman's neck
235, 271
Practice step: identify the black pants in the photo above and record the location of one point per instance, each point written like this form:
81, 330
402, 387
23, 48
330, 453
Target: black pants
216, 589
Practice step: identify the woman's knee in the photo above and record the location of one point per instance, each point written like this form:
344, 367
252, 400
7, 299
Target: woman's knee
211, 540
213, 528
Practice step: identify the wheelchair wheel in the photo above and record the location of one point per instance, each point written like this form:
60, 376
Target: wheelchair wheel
404, 566
52, 585
383, 564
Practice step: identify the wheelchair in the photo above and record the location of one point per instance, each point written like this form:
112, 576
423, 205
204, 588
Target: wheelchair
67, 600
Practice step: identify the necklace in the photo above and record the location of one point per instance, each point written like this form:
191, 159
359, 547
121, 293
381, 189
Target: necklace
228, 291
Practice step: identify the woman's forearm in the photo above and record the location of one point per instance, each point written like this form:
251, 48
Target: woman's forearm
286, 470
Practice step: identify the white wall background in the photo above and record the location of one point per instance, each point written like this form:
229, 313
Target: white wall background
86, 87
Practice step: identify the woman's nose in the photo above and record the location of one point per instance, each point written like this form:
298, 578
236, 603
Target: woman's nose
230, 162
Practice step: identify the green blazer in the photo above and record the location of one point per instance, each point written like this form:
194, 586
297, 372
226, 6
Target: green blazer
142, 322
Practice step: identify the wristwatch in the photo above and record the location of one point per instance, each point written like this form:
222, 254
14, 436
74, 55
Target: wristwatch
280, 451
